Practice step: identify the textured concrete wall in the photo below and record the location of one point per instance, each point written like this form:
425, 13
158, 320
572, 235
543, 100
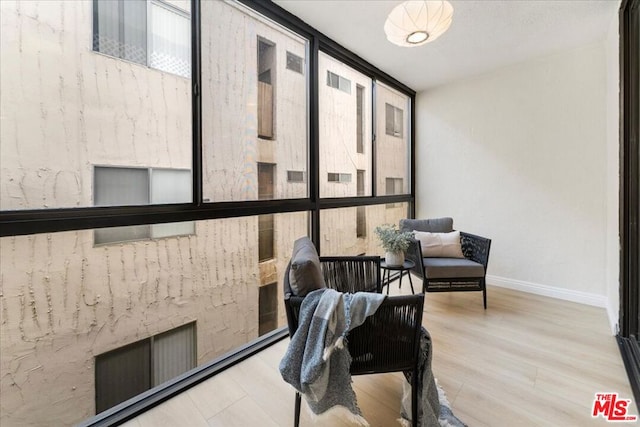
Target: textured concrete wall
65, 108
392, 151
65, 301
231, 147
338, 128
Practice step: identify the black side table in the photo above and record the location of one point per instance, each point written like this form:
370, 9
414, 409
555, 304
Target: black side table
387, 269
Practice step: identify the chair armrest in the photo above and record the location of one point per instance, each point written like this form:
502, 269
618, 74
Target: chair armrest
414, 253
350, 274
476, 248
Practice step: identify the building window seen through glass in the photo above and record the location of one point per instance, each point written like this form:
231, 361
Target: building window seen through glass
295, 176
295, 63
265, 237
125, 186
338, 82
268, 308
359, 119
266, 177
130, 370
393, 120
338, 177
361, 215
266, 85
159, 37
393, 186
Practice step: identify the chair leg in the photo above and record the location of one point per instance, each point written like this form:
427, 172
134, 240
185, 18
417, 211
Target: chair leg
411, 282
414, 398
484, 296
296, 420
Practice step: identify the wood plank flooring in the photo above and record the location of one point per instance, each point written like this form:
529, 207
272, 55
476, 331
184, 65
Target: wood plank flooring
527, 360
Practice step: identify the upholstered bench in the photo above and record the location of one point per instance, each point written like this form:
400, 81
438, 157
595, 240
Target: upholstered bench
447, 260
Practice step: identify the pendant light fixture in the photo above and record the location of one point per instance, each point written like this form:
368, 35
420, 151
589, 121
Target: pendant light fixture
414, 23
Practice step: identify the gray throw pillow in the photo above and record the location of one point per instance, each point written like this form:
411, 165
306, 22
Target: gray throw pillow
434, 225
305, 274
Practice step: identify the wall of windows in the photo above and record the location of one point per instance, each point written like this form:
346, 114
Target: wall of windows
150, 196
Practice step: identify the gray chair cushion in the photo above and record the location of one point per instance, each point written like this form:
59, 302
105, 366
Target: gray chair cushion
447, 268
434, 225
305, 274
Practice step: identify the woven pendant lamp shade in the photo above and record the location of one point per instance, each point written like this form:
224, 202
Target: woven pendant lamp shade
414, 23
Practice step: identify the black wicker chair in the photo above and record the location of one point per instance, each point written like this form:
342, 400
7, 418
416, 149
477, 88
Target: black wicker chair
388, 341
474, 248
351, 274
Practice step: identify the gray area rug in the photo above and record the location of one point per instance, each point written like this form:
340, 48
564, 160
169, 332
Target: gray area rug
434, 409
447, 419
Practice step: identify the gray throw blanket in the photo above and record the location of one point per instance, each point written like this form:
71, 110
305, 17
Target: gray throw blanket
429, 408
317, 362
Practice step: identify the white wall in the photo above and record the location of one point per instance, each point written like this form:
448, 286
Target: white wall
523, 155
613, 174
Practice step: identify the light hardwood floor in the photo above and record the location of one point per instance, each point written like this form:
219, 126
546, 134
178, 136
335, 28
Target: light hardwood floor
525, 361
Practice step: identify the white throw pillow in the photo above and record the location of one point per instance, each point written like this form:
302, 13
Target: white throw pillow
440, 245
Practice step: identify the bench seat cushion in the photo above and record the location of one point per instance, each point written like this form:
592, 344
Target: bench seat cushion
446, 268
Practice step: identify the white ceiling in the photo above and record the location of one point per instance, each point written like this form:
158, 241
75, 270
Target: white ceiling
484, 35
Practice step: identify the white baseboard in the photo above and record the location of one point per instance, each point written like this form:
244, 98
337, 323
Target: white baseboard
613, 321
550, 291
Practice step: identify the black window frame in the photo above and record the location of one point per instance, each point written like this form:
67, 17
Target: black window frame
628, 335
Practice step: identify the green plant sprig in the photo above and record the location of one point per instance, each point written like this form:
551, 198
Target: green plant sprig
392, 239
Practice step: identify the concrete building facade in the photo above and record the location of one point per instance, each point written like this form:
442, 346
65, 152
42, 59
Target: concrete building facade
86, 125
